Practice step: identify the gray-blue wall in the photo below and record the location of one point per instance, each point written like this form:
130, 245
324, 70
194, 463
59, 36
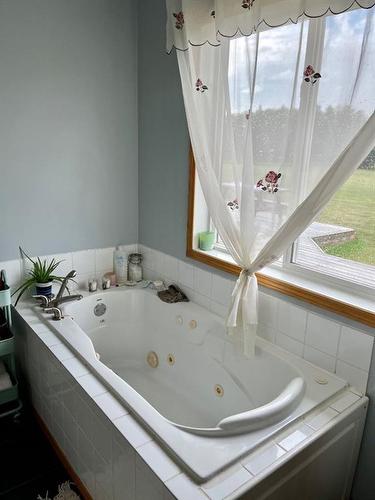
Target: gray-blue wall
163, 137
163, 175
68, 125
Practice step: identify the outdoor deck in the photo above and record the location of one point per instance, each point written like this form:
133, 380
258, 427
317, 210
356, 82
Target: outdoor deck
311, 256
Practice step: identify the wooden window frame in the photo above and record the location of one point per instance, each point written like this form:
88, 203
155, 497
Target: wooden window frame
328, 303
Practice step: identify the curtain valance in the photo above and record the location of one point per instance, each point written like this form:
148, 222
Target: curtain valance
196, 22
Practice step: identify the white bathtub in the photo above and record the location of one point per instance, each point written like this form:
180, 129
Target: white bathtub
205, 402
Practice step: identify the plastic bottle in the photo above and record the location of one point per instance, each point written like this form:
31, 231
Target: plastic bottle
120, 265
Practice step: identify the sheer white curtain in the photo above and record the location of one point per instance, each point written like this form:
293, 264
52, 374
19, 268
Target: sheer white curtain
278, 121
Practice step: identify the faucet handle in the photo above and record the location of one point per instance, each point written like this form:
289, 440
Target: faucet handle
43, 300
57, 313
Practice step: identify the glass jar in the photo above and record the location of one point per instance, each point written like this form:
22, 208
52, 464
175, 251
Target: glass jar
135, 272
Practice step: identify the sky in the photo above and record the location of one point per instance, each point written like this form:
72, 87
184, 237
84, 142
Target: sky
282, 55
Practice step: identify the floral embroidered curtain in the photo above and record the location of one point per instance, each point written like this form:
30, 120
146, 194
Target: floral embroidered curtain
278, 122
207, 21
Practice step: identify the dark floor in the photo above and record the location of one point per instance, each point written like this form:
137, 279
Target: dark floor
28, 464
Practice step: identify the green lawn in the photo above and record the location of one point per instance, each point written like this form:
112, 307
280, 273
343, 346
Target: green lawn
354, 206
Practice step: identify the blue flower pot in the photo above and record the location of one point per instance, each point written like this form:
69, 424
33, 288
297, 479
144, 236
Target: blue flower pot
44, 289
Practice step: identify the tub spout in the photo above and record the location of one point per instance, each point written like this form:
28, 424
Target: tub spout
69, 298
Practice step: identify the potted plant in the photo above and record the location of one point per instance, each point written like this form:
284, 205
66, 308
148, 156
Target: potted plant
41, 275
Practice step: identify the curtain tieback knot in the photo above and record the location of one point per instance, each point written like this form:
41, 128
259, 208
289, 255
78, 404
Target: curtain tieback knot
246, 272
240, 287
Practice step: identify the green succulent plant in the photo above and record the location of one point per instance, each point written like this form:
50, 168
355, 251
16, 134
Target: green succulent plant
41, 272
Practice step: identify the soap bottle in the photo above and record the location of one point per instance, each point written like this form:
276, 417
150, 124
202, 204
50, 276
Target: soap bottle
120, 265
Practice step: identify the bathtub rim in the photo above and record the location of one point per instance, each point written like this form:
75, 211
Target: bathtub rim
210, 463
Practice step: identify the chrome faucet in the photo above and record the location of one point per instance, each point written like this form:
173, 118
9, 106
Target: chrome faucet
52, 305
43, 300
57, 313
59, 299
60, 293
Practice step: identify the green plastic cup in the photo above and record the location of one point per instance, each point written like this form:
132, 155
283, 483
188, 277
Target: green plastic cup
206, 240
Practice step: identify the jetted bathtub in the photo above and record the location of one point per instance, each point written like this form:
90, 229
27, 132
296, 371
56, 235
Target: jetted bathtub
174, 367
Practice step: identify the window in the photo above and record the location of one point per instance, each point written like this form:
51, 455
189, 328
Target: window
341, 242
339, 247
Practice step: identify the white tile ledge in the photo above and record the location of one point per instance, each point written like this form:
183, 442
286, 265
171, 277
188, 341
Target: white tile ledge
110, 406
294, 438
41, 330
132, 431
319, 421
227, 482
91, 385
263, 458
155, 457
343, 402
183, 488
273, 453
349, 398
61, 352
299, 433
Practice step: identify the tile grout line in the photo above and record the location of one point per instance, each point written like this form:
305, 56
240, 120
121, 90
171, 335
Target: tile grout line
338, 347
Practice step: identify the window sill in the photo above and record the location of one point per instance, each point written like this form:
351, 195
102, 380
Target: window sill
316, 292
327, 296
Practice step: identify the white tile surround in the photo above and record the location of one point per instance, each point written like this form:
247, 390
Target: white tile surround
113, 455
89, 264
323, 341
